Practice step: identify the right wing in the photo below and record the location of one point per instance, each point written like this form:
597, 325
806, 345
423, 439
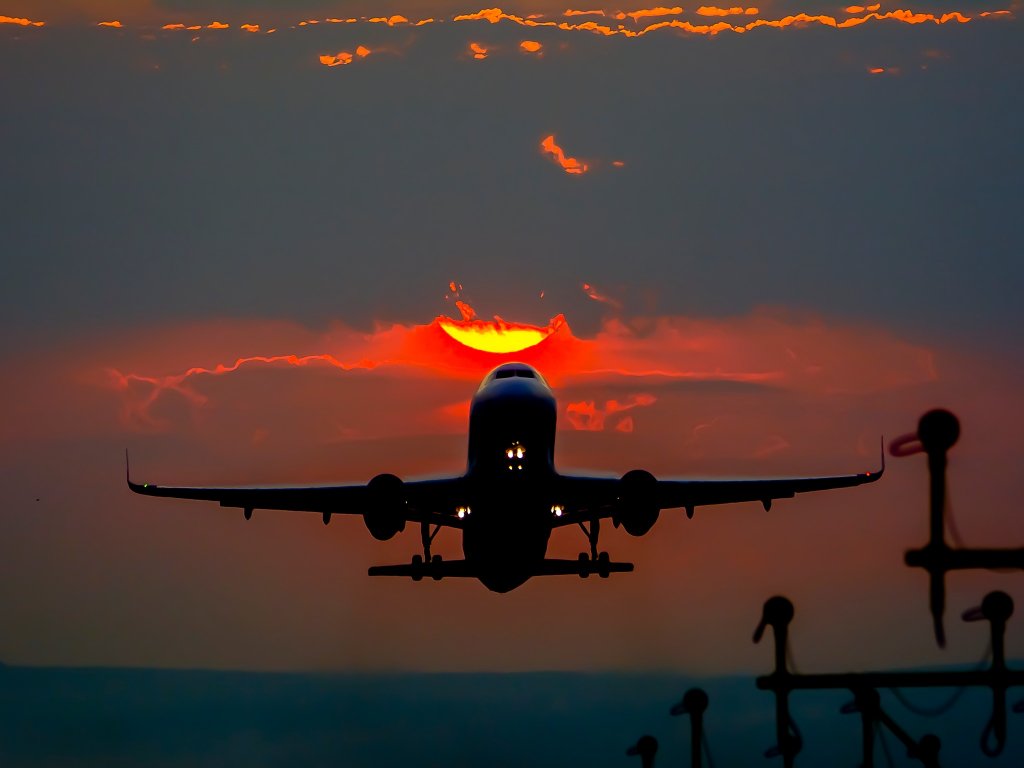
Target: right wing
425, 501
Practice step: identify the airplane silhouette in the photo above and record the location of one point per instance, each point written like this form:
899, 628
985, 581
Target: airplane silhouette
511, 497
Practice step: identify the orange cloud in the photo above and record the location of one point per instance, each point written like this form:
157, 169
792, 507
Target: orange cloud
21, 22
114, 24
218, 25
861, 8
768, 348
586, 415
336, 60
712, 10
569, 164
656, 11
571, 13
251, 27
389, 20
173, 26
530, 46
495, 15
478, 51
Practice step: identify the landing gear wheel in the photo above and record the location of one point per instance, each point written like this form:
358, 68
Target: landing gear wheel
417, 564
602, 565
435, 567
584, 560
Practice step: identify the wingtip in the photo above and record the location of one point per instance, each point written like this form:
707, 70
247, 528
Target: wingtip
873, 476
128, 475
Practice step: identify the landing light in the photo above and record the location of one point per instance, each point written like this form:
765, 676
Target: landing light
516, 451
462, 512
557, 510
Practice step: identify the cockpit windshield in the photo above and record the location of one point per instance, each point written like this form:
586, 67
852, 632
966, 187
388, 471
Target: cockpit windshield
512, 371
509, 373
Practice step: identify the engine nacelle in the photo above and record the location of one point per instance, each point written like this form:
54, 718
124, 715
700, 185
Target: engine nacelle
385, 515
638, 504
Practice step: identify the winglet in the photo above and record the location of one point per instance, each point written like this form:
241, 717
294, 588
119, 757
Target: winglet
873, 476
136, 487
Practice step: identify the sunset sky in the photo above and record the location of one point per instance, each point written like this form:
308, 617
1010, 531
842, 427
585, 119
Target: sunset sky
751, 250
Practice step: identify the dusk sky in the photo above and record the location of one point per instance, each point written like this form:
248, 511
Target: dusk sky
754, 243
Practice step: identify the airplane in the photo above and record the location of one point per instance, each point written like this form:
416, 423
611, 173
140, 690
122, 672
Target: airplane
511, 497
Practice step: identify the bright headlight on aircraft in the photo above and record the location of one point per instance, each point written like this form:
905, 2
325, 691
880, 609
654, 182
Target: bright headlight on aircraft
557, 510
462, 512
515, 451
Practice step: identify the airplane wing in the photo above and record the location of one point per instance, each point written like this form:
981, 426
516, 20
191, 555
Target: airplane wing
587, 498
430, 501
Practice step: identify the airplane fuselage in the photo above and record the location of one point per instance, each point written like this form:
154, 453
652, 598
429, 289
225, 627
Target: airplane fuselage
510, 472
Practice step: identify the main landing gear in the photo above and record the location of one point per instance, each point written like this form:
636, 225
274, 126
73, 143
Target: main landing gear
594, 562
418, 561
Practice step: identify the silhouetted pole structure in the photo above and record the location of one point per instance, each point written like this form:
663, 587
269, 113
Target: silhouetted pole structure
937, 432
996, 608
647, 748
867, 702
694, 703
777, 613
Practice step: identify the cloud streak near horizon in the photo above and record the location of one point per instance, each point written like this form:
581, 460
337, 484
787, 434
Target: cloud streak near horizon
772, 348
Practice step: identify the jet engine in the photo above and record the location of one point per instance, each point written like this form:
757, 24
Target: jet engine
638, 504
385, 514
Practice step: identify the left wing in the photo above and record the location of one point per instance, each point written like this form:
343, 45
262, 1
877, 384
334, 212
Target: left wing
425, 501
587, 498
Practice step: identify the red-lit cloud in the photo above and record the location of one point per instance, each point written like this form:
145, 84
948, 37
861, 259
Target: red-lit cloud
660, 10
21, 22
711, 10
664, 18
777, 350
587, 415
344, 57
569, 164
389, 20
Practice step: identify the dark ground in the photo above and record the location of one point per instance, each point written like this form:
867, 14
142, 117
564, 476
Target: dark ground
142, 717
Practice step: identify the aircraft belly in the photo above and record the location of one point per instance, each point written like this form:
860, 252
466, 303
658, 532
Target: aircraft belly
506, 541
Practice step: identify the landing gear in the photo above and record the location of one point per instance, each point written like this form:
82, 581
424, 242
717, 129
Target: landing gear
426, 562
594, 562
